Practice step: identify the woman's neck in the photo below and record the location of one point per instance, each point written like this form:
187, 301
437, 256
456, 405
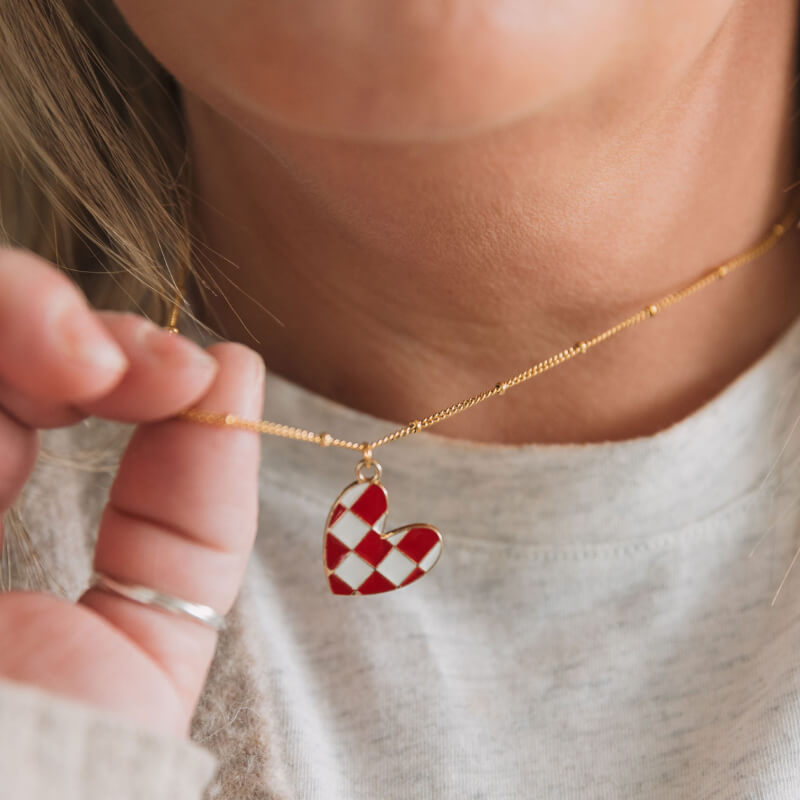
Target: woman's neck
400, 278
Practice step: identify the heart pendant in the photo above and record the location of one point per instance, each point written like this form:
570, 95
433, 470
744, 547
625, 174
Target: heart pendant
359, 558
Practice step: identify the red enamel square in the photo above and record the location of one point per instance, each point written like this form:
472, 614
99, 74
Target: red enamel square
371, 505
372, 548
338, 586
334, 551
416, 543
376, 583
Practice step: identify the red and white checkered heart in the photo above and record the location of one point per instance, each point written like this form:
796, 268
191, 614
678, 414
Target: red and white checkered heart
359, 558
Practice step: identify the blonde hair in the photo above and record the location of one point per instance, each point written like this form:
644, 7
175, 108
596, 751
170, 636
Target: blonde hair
94, 174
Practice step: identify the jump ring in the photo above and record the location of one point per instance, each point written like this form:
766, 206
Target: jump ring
367, 464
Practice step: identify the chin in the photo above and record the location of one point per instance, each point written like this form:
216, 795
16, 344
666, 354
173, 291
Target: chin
416, 69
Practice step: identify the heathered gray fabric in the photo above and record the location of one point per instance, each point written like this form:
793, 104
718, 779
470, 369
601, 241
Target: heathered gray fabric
594, 628
54, 748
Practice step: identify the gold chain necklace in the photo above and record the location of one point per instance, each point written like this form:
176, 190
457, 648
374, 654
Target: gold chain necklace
358, 557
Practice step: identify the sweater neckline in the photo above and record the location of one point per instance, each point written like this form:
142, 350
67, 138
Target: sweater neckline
551, 494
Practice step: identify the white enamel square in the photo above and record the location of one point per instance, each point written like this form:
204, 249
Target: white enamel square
396, 566
349, 528
353, 570
430, 557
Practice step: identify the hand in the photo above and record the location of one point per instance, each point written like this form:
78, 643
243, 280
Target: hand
181, 516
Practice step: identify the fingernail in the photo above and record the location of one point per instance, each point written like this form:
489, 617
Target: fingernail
173, 347
85, 339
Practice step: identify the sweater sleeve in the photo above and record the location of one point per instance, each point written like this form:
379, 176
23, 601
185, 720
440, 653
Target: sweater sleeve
55, 747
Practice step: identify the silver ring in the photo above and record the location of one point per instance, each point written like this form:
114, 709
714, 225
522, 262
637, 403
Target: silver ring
150, 597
